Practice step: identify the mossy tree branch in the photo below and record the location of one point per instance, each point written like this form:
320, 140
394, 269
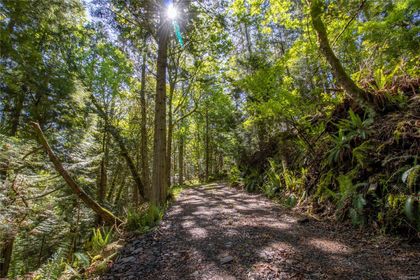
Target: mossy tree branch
343, 79
106, 215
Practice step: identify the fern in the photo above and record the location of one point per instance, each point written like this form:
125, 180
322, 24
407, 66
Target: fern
350, 131
144, 218
100, 238
361, 153
349, 200
340, 149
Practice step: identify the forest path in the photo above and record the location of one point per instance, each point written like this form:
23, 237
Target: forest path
218, 232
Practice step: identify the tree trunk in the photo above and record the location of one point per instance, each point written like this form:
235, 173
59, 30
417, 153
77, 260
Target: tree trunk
207, 146
248, 40
144, 159
170, 133
198, 170
343, 79
113, 182
17, 110
8, 240
159, 180
124, 152
103, 178
6, 254
181, 161
106, 215
120, 188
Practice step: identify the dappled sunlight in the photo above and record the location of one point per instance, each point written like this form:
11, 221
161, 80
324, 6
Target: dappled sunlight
197, 233
280, 246
329, 246
188, 223
210, 237
278, 224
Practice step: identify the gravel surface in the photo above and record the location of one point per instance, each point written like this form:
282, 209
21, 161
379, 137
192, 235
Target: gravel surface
218, 232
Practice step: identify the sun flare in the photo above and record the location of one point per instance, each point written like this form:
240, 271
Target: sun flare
172, 12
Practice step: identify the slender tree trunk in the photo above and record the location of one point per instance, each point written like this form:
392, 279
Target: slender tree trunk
343, 79
198, 154
103, 178
6, 254
113, 182
159, 180
170, 133
207, 154
144, 159
17, 110
248, 40
124, 152
181, 160
120, 187
92, 204
175, 157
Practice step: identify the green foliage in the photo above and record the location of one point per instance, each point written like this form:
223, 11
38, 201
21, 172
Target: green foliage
175, 191
324, 191
81, 260
412, 178
280, 181
143, 219
349, 200
253, 181
355, 127
234, 101
234, 174
412, 211
100, 238
350, 132
341, 148
273, 183
291, 201
55, 265
362, 153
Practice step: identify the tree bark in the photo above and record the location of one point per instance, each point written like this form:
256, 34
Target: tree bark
106, 215
207, 146
17, 110
170, 133
343, 79
159, 181
6, 254
144, 159
120, 187
181, 160
113, 182
103, 178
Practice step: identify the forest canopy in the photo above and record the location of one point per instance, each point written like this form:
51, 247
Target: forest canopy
108, 107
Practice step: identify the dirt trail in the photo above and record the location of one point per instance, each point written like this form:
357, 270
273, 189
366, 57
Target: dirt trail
217, 232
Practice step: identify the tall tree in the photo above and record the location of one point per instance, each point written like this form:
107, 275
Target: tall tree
144, 157
159, 181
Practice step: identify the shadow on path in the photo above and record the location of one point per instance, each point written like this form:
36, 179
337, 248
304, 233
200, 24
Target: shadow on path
217, 232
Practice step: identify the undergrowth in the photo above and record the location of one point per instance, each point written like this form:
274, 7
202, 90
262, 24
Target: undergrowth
364, 168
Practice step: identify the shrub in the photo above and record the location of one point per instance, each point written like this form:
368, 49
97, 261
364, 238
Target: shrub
143, 219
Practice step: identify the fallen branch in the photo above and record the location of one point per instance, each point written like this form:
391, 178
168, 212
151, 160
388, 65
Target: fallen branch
106, 215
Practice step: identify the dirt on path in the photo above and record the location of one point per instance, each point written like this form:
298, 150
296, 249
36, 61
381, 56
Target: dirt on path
218, 232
